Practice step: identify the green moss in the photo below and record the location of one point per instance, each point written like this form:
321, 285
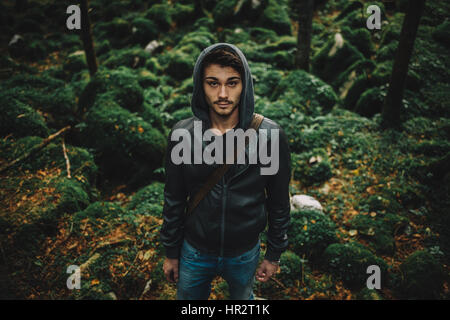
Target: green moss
138, 148
442, 33
262, 35
349, 263
75, 62
143, 31
81, 161
310, 233
304, 87
312, 171
160, 14
422, 276
224, 12
276, 17
379, 230
265, 78
132, 58
45, 94
19, 119
178, 115
360, 39
331, 61
290, 269
118, 85
370, 102
148, 200
99, 209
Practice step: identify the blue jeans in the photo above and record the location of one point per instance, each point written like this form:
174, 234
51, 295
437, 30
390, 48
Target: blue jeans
197, 270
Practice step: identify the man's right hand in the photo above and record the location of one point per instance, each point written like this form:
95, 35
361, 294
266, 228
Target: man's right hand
170, 268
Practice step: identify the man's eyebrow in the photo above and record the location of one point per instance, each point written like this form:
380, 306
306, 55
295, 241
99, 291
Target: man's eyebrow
230, 78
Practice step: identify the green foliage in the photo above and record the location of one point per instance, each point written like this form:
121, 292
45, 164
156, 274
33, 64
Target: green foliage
143, 31
276, 18
160, 14
423, 276
131, 58
290, 268
19, 119
379, 230
148, 200
349, 263
370, 102
333, 59
312, 167
310, 233
138, 148
120, 86
45, 94
360, 38
178, 115
302, 89
441, 33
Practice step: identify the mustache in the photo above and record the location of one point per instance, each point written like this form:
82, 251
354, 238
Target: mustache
223, 101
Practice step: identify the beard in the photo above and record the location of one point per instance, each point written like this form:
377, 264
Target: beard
224, 112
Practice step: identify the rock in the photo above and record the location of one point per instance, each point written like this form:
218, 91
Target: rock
302, 202
152, 46
112, 295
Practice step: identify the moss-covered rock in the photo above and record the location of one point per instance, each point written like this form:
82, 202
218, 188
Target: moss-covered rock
20, 120
55, 100
349, 263
379, 230
83, 167
370, 102
75, 62
334, 58
148, 200
290, 269
120, 86
305, 91
360, 39
131, 57
312, 167
422, 276
128, 146
311, 232
161, 14
265, 78
143, 31
178, 115
442, 34
276, 17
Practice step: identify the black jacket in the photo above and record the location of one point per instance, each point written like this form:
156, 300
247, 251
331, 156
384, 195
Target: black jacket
228, 221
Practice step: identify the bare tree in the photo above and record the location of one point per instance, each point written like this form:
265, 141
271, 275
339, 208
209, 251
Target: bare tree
305, 9
393, 101
86, 37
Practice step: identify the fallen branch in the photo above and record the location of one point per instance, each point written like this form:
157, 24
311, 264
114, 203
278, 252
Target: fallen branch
35, 149
67, 158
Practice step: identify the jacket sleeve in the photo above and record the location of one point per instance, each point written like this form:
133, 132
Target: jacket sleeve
278, 202
175, 201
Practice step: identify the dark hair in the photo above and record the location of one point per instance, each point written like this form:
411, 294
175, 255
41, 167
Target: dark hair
225, 58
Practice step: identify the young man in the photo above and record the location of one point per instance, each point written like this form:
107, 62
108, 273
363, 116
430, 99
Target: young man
221, 235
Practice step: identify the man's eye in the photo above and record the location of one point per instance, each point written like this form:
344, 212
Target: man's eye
212, 84
232, 83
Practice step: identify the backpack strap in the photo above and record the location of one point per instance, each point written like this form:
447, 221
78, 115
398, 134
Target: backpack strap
218, 173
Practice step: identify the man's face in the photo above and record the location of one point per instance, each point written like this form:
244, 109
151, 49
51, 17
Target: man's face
222, 87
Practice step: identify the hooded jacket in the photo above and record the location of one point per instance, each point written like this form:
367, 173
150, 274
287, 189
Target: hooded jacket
229, 219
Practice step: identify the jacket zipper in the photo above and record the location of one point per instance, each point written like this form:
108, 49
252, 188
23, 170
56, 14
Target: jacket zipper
224, 206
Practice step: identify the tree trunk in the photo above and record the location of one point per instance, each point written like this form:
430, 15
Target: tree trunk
86, 37
305, 14
393, 101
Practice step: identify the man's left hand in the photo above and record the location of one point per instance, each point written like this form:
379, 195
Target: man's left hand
265, 271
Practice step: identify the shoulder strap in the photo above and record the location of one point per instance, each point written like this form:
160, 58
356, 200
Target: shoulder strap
217, 174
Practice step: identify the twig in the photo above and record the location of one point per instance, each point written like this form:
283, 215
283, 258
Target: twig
35, 149
66, 157
279, 283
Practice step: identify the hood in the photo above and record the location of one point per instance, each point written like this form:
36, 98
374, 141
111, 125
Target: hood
246, 106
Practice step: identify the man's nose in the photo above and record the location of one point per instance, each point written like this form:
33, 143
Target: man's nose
223, 94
